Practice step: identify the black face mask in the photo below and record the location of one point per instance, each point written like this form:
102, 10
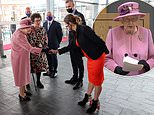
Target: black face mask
70, 10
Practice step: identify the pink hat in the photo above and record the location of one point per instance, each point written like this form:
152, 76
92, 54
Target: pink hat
25, 23
128, 9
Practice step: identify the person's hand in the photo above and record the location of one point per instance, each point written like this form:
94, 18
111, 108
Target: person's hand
146, 66
119, 70
53, 51
46, 50
36, 53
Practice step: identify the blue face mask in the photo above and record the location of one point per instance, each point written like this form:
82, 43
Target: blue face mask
49, 18
28, 14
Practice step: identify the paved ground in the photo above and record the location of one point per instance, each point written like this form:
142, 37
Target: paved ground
121, 95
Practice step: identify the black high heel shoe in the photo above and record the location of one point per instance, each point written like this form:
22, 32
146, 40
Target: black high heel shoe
78, 85
28, 93
28, 86
95, 105
25, 98
40, 85
87, 98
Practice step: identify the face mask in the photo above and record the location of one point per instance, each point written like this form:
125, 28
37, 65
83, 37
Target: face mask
28, 14
70, 10
49, 18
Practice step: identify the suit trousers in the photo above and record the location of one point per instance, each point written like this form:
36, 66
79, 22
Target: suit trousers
52, 62
77, 65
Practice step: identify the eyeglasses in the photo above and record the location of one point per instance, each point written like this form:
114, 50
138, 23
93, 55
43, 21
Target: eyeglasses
130, 19
37, 20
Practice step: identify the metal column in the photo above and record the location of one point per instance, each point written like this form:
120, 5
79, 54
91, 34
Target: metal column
50, 5
95, 11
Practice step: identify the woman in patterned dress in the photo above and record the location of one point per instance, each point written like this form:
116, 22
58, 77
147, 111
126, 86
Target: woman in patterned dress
38, 38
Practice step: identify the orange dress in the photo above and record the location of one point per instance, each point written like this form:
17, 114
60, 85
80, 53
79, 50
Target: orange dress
95, 69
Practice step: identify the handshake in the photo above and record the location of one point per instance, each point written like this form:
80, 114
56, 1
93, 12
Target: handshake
53, 51
48, 51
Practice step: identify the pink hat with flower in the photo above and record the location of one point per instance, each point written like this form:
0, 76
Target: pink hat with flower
25, 23
128, 9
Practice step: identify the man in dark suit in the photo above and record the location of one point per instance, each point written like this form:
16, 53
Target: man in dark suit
28, 13
76, 58
54, 32
71, 9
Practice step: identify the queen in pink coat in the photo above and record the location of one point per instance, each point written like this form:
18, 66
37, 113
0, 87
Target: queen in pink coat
129, 40
20, 57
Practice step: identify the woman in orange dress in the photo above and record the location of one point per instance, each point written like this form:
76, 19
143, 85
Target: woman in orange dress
94, 49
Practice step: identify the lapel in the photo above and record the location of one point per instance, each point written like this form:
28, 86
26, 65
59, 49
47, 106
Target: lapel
51, 25
46, 25
76, 12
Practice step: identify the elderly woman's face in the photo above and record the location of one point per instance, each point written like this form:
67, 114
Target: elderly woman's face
29, 30
130, 23
26, 30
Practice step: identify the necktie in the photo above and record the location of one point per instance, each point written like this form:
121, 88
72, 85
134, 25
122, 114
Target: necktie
49, 25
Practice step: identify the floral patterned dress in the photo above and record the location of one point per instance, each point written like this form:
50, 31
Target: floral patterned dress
38, 38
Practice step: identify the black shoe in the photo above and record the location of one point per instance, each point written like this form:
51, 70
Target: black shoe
28, 86
47, 74
85, 100
3, 56
26, 98
28, 93
78, 85
95, 105
72, 81
53, 75
40, 85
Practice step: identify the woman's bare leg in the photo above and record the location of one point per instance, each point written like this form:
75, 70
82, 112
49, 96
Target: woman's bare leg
90, 88
97, 92
22, 91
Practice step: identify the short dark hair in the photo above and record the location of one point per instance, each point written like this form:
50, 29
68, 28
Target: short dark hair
70, 18
35, 15
69, 1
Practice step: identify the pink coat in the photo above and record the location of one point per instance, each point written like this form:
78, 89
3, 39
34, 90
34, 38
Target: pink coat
138, 46
20, 58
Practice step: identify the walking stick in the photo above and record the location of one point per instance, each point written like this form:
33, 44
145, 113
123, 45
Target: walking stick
34, 82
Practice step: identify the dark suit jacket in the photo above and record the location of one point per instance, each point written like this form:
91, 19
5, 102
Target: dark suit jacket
81, 16
75, 50
54, 34
90, 43
24, 17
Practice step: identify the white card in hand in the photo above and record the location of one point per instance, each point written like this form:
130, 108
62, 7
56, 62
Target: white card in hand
131, 64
